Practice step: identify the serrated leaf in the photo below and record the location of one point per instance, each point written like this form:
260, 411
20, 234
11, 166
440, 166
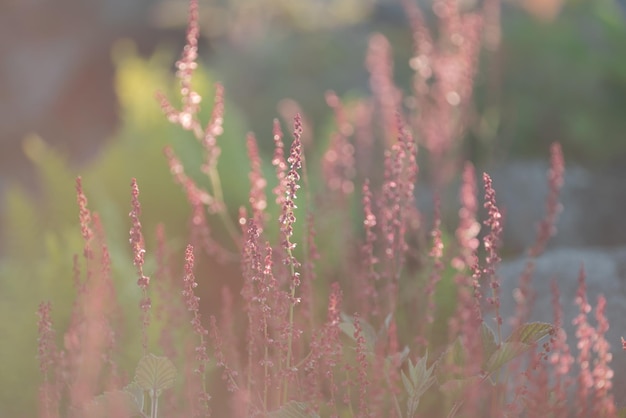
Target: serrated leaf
404, 354
347, 328
417, 384
453, 358
392, 361
408, 386
505, 353
368, 332
416, 394
411, 406
382, 332
488, 338
136, 392
118, 403
418, 372
155, 374
293, 409
530, 333
455, 387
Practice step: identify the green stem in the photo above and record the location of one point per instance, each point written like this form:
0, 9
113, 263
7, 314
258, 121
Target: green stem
153, 405
348, 395
395, 398
265, 371
216, 186
290, 335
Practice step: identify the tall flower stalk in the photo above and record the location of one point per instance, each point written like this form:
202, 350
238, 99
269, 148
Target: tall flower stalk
361, 353
286, 220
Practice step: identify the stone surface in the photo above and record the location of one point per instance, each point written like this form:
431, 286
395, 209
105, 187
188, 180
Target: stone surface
605, 274
591, 232
592, 201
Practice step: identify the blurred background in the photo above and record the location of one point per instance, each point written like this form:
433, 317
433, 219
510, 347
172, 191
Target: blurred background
77, 85
560, 74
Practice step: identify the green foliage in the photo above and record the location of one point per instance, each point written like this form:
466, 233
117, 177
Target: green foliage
564, 82
44, 237
154, 374
293, 409
418, 381
42, 231
118, 403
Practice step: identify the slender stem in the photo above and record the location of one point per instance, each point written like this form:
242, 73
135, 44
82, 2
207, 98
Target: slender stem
395, 398
290, 334
265, 366
153, 407
397, 405
455, 408
216, 186
306, 235
249, 384
348, 395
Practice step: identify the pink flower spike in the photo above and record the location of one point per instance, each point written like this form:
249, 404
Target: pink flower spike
213, 130
290, 187
192, 302
603, 404
137, 245
379, 63
136, 237
468, 229
48, 357
257, 199
547, 227
185, 68
85, 218
492, 245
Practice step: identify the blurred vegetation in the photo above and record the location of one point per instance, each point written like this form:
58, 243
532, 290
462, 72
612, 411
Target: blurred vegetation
563, 81
560, 80
43, 233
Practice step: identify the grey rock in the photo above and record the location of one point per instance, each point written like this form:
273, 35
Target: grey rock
605, 274
592, 203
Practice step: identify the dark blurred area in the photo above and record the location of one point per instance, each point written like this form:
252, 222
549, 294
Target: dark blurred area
557, 75
56, 72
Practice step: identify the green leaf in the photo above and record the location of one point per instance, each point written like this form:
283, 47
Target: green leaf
455, 387
505, 353
419, 381
530, 333
136, 392
155, 374
118, 403
384, 330
293, 409
453, 358
368, 332
488, 338
418, 372
408, 386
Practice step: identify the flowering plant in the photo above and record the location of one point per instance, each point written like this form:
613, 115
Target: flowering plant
388, 330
